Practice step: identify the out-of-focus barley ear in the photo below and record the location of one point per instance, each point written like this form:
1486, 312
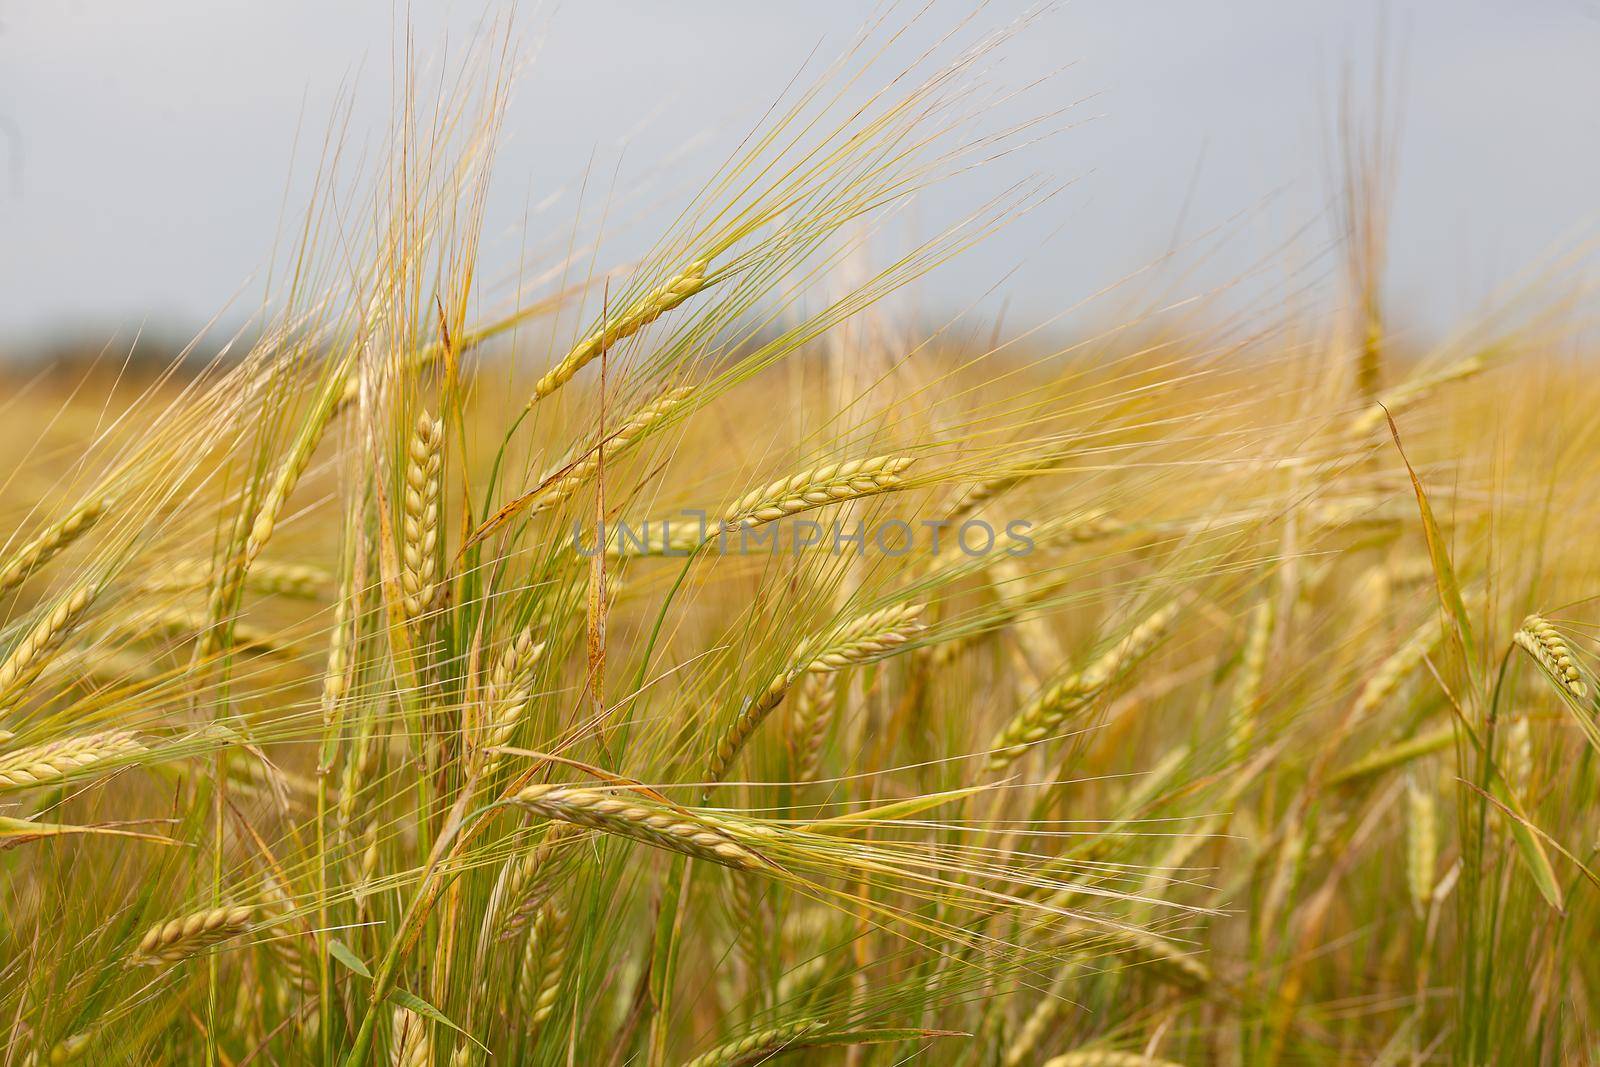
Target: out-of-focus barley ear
1549, 649
1163, 958
420, 517
507, 694
179, 939
301, 581
410, 1043
677, 830
1107, 1058
1252, 672
36, 765
68, 1050
1422, 846
1394, 670
1409, 394
31, 655
759, 1047
1519, 757
1043, 717
646, 310
1396, 755
829, 484
50, 542
544, 962
1020, 1052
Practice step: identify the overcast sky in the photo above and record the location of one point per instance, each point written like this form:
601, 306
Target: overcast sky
145, 147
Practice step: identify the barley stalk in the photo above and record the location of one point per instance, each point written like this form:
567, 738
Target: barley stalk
1413, 392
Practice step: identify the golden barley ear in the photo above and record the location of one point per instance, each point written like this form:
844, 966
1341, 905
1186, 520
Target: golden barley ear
419, 569
181, 938
646, 310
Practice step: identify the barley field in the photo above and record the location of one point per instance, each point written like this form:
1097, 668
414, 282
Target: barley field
700, 660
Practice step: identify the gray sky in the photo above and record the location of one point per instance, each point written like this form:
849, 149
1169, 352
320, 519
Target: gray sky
145, 147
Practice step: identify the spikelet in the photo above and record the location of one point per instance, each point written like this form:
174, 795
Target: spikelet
36, 765
1549, 649
50, 542
177, 940
1107, 1058
1252, 670
1043, 717
758, 1047
648, 309
672, 829
828, 484
508, 692
411, 1045
32, 654
556, 489
543, 962
420, 548
1422, 846
869, 637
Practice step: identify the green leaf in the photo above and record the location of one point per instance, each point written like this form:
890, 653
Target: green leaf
341, 952
1444, 575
